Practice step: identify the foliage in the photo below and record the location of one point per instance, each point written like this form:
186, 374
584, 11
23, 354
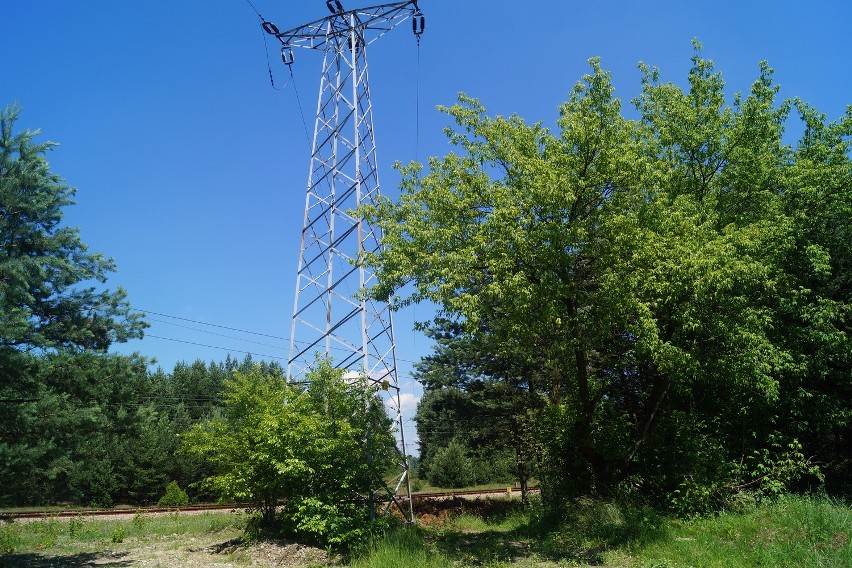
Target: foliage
467, 400
43, 264
84, 438
450, 467
118, 535
10, 538
308, 451
666, 297
174, 496
96, 429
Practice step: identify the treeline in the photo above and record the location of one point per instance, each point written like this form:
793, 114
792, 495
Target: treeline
656, 304
100, 429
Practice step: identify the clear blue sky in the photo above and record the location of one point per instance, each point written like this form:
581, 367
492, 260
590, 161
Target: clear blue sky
191, 170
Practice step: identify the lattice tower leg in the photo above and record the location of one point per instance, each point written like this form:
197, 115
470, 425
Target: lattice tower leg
330, 318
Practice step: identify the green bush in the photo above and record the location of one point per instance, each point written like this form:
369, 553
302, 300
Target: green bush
174, 497
118, 535
450, 467
75, 526
304, 447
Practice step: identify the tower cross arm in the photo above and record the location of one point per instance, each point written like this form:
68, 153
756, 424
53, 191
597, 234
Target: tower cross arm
369, 23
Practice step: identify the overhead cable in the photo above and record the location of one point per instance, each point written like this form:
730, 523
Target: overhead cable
213, 324
217, 347
199, 322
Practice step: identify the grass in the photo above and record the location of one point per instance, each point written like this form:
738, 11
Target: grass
422, 486
77, 535
793, 531
398, 549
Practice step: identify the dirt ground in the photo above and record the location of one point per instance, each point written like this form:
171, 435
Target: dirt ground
179, 551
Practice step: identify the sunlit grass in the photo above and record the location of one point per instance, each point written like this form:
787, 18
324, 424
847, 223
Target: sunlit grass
401, 549
80, 533
468, 522
793, 531
423, 486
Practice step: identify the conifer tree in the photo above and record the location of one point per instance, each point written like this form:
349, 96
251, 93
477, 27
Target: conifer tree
46, 301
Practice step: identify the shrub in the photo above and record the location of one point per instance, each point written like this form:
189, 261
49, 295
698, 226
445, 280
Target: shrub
450, 467
118, 535
10, 538
304, 447
174, 497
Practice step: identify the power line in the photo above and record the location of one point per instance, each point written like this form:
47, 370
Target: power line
199, 322
301, 111
144, 311
216, 347
217, 334
255, 9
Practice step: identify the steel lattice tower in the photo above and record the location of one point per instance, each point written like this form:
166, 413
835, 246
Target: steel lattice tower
330, 317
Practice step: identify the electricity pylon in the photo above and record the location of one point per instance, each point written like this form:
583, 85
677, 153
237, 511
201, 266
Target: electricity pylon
329, 314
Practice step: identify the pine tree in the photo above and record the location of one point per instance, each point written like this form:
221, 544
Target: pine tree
44, 303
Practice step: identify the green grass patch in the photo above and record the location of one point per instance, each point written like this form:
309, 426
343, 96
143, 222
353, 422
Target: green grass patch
423, 486
793, 531
85, 534
399, 549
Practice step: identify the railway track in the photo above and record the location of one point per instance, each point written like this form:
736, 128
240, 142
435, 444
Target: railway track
36, 514
60, 514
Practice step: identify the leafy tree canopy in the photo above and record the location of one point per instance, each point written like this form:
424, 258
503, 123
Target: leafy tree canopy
675, 286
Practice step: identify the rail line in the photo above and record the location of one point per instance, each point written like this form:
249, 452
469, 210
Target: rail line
194, 509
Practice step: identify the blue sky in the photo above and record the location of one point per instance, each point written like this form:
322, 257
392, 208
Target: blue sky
191, 170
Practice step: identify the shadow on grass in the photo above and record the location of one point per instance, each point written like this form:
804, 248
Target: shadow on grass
30, 560
582, 533
481, 547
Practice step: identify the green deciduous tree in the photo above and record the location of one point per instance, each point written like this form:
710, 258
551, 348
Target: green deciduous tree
315, 453
675, 288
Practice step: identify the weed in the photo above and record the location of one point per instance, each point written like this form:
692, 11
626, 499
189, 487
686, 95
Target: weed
75, 527
10, 538
118, 534
139, 521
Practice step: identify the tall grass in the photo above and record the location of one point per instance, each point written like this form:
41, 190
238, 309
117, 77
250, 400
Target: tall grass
793, 531
401, 548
